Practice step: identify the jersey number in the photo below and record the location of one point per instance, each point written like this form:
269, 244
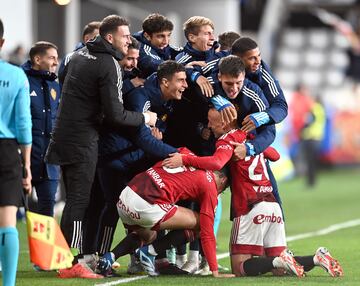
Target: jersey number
254, 164
178, 169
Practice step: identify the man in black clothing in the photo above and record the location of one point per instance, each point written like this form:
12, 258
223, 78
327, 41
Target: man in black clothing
91, 92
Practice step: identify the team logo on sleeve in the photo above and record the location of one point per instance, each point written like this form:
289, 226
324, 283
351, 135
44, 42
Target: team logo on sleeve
53, 93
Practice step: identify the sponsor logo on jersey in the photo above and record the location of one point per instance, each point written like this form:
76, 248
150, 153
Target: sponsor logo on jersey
33, 93
263, 189
225, 147
260, 218
156, 177
133, 214
209, 177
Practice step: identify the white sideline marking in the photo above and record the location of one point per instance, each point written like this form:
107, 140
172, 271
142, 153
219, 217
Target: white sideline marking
120, 281
329, 229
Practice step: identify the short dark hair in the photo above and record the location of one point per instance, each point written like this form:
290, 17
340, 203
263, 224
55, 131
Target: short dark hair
231, 65
226, 39
242, 45
156, 23
1, 29
40, 48
90, 28
110, 23
224, 173
135, 45
168, 68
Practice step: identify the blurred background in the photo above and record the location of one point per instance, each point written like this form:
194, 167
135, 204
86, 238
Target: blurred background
312, 46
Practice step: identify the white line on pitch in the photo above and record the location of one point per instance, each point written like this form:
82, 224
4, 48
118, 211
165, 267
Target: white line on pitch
329, 229
121, 281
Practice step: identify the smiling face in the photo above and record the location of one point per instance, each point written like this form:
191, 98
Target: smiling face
120, 39
159, 40
251, 60
174, 88
204, 40
47, 61
130, 60
232, 85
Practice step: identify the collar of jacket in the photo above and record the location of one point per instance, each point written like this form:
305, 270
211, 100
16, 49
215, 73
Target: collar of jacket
153, 87
200, 55
46, 75
100, 45
162, 53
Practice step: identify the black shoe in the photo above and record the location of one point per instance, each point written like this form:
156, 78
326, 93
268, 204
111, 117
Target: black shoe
171, 269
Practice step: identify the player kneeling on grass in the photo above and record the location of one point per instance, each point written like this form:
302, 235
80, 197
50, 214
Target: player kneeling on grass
258, 226
147, 204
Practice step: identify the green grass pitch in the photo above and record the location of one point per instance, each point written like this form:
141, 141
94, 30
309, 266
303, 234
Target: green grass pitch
334, 200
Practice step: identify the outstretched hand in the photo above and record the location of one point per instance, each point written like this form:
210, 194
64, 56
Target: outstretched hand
228, 114
248, 124
216, 274
174, 161
205, 86
239, 151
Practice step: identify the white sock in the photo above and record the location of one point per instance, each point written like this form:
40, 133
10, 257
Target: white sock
194, 256
152, 250
316, 260
277, 263
180, 260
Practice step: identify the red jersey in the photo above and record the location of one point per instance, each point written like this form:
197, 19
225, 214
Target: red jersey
160, 185
250, 182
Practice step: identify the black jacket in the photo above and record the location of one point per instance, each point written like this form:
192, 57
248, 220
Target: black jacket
91, 91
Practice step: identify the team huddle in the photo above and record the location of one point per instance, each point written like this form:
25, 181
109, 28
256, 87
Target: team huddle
152, 134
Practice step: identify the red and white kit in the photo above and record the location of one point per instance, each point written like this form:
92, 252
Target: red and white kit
259, 232
250, 185
151, 195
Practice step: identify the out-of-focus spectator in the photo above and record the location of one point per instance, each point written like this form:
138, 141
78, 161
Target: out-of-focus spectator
311, 136
17, 56
308, 119
299, 106
353, 52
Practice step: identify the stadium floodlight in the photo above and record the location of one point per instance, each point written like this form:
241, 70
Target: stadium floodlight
62, 2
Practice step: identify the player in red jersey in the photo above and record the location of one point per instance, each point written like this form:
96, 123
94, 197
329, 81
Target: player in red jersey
258, 226
147, 204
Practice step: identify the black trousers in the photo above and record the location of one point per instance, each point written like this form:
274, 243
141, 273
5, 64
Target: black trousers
78, 179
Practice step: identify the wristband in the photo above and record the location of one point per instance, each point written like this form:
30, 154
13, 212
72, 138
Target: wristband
260, 118
249, 149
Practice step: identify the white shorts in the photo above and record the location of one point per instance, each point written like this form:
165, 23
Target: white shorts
259, 232
135, 211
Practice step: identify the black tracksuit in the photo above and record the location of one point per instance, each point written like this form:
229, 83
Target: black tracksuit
91, 92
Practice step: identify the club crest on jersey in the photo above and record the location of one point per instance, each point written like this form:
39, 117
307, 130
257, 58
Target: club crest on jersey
163, 118
53, 93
